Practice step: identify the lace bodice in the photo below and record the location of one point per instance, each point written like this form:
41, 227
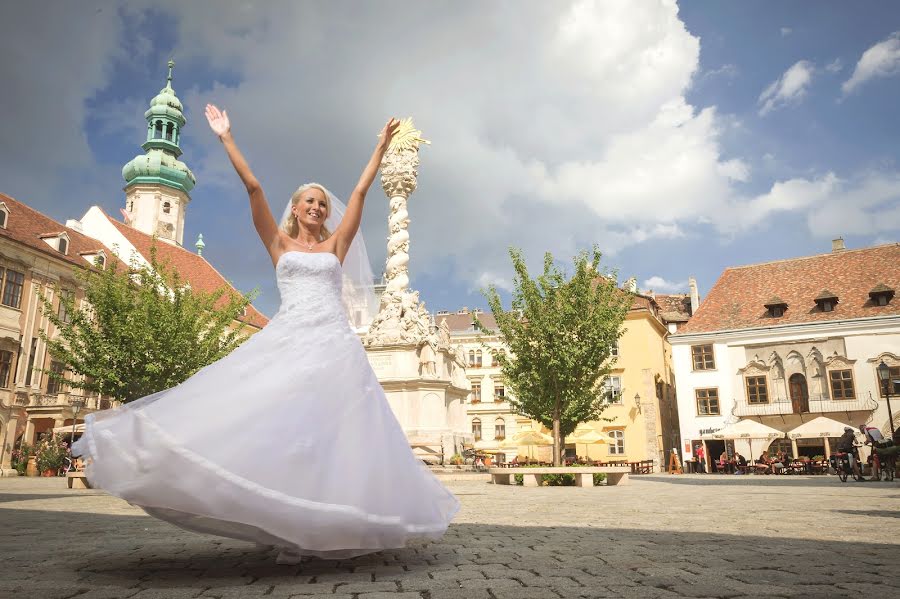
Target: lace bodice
310, 287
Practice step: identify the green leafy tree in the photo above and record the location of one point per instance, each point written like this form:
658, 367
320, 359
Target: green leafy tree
143, 330
560, 332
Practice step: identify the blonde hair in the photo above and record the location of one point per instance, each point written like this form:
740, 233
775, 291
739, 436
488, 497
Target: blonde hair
290, 225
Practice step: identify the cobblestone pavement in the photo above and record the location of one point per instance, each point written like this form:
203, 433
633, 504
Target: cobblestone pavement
660, 536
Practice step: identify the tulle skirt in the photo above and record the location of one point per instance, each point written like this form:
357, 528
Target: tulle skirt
287, 441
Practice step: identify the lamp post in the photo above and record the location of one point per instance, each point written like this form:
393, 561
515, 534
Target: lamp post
637, 402
884, 375
77, 404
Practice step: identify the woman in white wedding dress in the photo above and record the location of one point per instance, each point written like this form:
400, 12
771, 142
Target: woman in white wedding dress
288, 441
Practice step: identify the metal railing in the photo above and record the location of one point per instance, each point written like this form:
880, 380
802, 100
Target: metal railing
821, 404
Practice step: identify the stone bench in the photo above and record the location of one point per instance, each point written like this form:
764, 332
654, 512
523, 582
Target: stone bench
584, 476
77, 480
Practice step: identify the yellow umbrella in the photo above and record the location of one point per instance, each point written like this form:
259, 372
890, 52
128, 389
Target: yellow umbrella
528, 437
589, 437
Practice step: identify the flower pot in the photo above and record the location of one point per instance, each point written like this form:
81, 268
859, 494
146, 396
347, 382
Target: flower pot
48, 473
31, 468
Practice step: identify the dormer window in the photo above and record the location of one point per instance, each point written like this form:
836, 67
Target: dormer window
881, 295
4, 215
826, 301
97, 259
776, 307
58, 241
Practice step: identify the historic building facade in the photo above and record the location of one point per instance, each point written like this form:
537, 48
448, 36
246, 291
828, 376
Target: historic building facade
787, 341
38, 256
642, 408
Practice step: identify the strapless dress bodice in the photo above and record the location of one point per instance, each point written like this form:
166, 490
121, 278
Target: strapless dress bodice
310, 287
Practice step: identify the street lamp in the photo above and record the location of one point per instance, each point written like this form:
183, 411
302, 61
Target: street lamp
884, 375
77, 404
637, 402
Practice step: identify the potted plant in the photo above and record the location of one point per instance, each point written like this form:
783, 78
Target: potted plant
20, 458
456, 460
51, 454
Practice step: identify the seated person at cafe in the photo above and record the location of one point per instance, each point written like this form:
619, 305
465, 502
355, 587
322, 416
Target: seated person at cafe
740, 463
764, 463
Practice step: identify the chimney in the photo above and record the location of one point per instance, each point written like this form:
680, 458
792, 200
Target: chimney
695, 295
837, 245
631, 285
74, 224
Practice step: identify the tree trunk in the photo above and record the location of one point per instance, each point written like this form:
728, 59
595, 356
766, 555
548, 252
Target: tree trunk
557, 443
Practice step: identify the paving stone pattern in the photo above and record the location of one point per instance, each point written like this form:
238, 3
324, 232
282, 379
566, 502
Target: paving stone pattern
660, 536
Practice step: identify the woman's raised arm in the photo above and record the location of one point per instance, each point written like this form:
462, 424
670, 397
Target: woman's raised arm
265, 224
349, 225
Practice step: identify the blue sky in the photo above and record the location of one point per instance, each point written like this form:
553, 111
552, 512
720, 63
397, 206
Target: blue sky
644, 127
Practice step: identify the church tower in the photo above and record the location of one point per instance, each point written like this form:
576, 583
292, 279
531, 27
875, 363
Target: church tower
157, 184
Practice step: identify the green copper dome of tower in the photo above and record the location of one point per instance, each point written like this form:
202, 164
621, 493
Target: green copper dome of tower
157, 184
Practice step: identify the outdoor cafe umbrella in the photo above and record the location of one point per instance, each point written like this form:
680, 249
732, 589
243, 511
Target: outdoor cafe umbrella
528, 437
745, 430
587, 436
817, 428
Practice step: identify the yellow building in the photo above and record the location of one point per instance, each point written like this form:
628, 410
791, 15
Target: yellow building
642, 411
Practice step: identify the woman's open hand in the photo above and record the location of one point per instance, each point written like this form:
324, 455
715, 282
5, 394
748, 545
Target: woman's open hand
387, 134
218, 120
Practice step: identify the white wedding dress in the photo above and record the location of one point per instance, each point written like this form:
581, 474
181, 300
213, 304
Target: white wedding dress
288, 441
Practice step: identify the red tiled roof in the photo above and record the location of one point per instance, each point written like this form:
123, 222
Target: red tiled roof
27, 226
462, 323
193, 267
674, 307
737, 299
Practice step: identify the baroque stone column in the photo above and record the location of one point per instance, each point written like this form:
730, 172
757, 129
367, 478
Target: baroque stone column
402, 317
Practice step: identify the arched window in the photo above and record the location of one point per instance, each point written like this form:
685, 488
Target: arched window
476, 429
157, 130
169, 128
478, 358
616, 442
499, 429
167, 207
472, 358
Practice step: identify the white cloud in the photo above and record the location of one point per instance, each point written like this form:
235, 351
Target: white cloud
881, 60
786, 31
787, 89
866, 204
661, 285
835, 66
727, 71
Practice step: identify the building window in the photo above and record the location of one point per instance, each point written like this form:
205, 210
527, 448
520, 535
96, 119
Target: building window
707, 402
893, 381
5, 367
167, 207
499, 392
100, 261
841, 384
757, 391
612, 390
616, 442
13, 283
703, 357
3, 215
476, 392
498, 353
54, 385
499, 429
614, 350
63, 245
33, 351
63, 312
476, 429
157, 130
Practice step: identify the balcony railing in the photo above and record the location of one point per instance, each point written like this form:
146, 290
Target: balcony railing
814, 405
65, 400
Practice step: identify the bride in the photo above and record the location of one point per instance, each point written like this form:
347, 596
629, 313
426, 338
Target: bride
288, 441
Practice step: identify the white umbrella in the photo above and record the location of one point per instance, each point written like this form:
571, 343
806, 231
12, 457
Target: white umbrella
817, 428
745, 429
528, 437
587, 436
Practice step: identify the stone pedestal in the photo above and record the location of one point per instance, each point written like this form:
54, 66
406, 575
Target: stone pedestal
428, 402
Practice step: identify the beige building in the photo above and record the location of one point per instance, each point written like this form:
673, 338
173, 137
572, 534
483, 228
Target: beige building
641, 387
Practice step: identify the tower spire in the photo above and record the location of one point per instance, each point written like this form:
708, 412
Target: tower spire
157, 184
